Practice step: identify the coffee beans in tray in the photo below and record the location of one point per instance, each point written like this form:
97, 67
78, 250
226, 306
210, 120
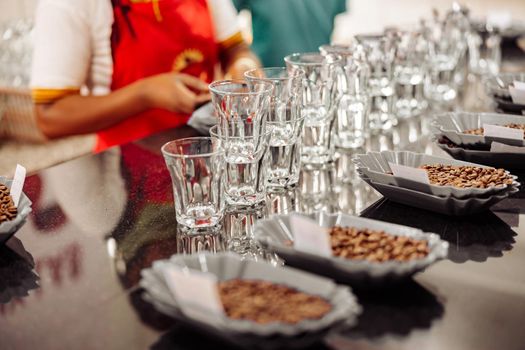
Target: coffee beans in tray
480, 131
376, 246
265, 302
466, 176
8, 210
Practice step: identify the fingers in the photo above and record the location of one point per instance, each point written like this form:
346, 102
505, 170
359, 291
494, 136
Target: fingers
193, 82
201, 99
186, 99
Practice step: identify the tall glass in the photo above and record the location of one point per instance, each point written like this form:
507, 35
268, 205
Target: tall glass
242, 108
353, 109
285, 121
380, 54
319, 99
196, 168
409, 73
484, 51
245, 166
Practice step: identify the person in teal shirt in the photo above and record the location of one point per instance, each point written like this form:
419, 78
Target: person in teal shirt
282, 27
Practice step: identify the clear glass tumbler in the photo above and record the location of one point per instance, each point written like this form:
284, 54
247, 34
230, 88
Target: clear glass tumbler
351, 124
409, 73
285, 121
196, 168
319, 99
380, 54
242, 108
245, 166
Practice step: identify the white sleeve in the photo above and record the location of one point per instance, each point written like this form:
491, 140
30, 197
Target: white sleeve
62, 45
224, 17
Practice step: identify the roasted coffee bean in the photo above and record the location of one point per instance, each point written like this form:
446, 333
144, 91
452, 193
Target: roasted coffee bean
8, 211
480, 131
466, 176
265, 302
376, 246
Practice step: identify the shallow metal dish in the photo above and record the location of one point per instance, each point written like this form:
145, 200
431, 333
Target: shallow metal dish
276, 235
499, 85
453, 124
228, 266
9, 228
374, 165
443, 205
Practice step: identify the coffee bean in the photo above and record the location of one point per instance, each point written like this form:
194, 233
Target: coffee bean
8, 211
480, 131
466, 176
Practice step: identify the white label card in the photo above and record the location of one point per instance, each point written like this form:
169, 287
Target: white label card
520, 85
502, 132
309, 237
503, 148
18, 184
194, 288
517, 95
409, 173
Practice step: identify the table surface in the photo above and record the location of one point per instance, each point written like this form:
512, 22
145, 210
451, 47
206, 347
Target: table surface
68, 279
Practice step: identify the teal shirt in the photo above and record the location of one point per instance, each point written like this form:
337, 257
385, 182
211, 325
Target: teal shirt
282, 27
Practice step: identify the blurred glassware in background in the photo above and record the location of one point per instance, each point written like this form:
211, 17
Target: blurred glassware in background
410, 72
285, 121
351, 125
484, 51
319, 100
16, 49
380, 52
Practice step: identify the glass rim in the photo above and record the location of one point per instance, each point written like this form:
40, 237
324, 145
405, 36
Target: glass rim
213, 87
288, 59
216, 134
187, 156
290, 75
338, 49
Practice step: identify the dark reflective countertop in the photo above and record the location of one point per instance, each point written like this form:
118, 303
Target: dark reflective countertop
68, 279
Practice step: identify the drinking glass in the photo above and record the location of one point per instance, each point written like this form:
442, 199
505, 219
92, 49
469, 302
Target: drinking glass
319, 99
409, 73
245, 163
444, 51
285, 121
242, 108
484, 51
352, 112
196, 168
380, 54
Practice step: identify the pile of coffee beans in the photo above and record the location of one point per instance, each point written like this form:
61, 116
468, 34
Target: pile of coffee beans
466, 176
8, 210
377, 246
480, 131
265, 302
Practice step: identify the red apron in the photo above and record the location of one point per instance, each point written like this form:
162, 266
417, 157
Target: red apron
156, 37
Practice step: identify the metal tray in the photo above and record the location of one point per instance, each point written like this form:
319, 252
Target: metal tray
513, 161
374, 165
229, 266
443, 205
499, 85
9, 228
453, 124
276, 235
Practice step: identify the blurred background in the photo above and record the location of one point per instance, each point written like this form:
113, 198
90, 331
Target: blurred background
20, 142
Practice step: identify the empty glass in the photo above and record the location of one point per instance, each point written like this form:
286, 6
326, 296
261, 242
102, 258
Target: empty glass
409, 73
245, 163
285, 121
380, 54
484, 51
196, 168
444, 51
242, 109
319, 99
351, 124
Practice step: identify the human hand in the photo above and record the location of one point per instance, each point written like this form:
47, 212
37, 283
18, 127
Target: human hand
175, 92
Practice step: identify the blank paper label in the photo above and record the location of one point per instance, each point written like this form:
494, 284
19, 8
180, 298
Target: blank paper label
502, 148
18, 183
309, 237
502, 132
410, 173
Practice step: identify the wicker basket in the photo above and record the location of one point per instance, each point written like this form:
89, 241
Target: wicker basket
19, 120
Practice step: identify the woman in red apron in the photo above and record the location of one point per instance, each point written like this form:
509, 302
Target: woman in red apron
164, 55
